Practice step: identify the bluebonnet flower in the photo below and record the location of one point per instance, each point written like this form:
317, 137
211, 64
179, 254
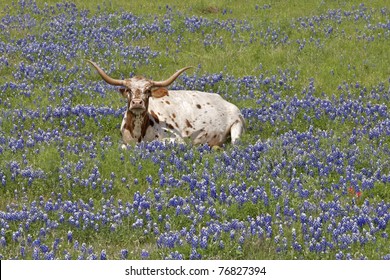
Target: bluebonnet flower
42, 232
203, 242
44, 248
175, 256
35, 254
144, 254
241, 240
194, 241
55, 245
195, 255
124, 254
23, 251
70, 237
103, 255
76, 245
3, 242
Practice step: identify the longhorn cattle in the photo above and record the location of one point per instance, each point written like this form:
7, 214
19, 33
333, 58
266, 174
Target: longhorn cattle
155, 113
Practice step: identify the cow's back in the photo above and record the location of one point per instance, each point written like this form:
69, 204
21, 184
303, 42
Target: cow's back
203, 117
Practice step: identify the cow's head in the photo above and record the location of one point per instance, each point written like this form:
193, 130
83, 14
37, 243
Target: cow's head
137, 90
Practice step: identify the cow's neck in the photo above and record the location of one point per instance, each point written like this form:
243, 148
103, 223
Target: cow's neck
137, 125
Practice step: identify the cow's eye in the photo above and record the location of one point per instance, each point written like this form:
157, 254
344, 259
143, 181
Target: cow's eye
148, 92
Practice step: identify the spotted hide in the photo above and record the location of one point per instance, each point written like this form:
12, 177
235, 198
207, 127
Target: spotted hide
155, 113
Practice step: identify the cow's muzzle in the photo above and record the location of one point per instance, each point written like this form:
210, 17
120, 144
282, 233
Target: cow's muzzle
137, 106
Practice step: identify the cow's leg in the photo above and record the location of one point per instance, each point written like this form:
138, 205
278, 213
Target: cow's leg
127, 139
236, 130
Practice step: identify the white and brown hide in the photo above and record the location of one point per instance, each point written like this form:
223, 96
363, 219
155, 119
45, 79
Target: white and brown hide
155, 113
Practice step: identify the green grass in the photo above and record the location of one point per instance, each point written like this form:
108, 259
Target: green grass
342, 53
328, 61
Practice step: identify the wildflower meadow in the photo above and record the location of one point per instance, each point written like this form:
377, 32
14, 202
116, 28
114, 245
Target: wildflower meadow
309, 179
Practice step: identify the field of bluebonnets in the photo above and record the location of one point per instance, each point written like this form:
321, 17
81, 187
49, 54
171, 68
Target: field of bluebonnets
309, 179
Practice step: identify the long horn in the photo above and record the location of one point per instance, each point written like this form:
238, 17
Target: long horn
171, 79
107, 78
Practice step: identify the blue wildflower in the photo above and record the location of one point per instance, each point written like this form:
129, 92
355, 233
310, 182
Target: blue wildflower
144, 254
124, 254
103, 255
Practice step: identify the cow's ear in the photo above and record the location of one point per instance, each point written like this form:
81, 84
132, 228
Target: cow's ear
159, 92
123, 91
